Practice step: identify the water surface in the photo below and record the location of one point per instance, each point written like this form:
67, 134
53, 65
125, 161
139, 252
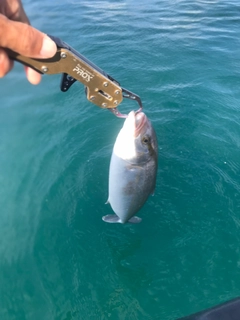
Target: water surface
58, 259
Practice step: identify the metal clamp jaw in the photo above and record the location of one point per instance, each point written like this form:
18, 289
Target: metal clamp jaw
101, 88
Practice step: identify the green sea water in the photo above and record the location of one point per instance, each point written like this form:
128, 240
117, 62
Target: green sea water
58, 259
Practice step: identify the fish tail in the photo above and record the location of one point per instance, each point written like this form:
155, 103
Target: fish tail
111, 218
134, 220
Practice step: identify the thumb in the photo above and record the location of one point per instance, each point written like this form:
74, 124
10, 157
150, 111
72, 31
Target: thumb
25, 39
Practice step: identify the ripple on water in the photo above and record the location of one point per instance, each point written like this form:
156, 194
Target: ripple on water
58, 259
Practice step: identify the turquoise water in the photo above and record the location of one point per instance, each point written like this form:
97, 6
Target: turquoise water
58, 259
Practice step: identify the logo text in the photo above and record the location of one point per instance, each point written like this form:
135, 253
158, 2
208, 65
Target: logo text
83, 73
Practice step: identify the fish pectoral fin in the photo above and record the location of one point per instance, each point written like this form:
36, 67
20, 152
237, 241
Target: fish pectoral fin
107, 201
135, 220
111, 218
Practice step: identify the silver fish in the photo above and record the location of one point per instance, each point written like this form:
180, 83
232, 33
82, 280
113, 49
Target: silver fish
133, 168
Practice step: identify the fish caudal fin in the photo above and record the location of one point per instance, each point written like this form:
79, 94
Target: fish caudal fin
113, 218
135, 220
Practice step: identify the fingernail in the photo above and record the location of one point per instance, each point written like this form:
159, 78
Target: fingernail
49, 48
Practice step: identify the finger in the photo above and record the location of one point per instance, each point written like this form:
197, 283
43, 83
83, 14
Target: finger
5, 63
33, 76
14, 11
21, 16
25, 39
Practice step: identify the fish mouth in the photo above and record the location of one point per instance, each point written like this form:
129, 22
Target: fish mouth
140, 121
135, 123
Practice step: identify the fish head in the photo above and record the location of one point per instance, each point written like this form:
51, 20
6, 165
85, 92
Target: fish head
136, 142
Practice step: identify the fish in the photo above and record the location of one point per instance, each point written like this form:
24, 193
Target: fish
133, 169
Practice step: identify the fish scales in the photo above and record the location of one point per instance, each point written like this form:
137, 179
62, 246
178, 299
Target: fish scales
133, 168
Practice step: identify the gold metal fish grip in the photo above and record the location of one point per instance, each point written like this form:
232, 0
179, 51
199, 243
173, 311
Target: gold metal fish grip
130, 95
100, 88
103, 93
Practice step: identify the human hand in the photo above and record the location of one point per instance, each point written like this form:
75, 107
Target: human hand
17, 35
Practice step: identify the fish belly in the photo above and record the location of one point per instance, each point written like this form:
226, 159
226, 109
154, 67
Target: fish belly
127, 193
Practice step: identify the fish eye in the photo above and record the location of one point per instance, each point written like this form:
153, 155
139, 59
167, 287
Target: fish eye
145, 140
